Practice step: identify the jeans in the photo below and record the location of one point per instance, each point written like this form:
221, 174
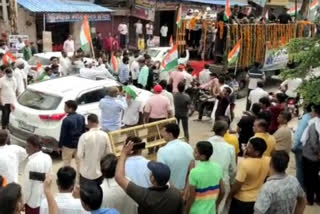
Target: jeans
6, 110
311, 179
185, 126
299, 170
123, 41
208, 105
241, 207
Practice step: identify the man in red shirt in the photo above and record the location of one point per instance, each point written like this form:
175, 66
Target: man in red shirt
107, 43
176, 77
276, 110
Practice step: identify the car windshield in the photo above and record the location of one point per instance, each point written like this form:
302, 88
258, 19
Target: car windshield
35, 59
39, 100
153, 52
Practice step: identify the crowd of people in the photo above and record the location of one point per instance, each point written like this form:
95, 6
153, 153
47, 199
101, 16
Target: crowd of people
238, 171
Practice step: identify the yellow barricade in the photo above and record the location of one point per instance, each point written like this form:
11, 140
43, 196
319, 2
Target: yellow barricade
149, 133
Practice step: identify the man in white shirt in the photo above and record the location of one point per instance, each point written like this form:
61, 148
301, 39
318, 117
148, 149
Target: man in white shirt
20, 44
136, 168
123, 30
38, 162
8, 95
68, 45
135, 69
290, 86
149, 30
204, 75
188, 78
67, 204
167, 94
139, 28
92, 146
133, 114
15, 154
256, 94
224, 155
20, 76
65, 63
164, 35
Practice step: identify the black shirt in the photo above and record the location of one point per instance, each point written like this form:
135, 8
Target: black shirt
181, 104
73, 126
222, 106
284, 18
246, 127
162, 200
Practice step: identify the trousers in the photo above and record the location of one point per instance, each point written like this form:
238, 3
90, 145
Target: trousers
6, 110
185, 126
311, 179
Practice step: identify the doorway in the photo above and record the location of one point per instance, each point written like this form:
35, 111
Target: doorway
167, 17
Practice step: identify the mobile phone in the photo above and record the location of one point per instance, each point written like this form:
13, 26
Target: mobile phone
37, 176
139, 146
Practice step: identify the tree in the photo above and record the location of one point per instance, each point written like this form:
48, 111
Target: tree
304, 8
304, 55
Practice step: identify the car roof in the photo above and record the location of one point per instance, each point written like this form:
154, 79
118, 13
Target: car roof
48, 55
70, 84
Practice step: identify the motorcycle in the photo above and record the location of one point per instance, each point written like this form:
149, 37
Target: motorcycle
293, 107
201, 99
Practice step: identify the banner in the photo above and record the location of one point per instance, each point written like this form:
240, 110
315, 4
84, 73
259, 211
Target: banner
275, 59
47, 41
13, 41
76, 17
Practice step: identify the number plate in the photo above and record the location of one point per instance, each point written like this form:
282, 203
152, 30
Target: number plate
26, 127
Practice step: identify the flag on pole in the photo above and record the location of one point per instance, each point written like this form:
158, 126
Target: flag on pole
8, 58
114, 63
234, 53
85, 36
227, 11
178, 21
170, 61
171, 41
38, 66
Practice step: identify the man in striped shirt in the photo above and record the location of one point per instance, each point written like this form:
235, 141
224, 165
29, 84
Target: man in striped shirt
205, 182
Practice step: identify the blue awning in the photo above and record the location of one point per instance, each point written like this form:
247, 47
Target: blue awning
220, 2
62, 6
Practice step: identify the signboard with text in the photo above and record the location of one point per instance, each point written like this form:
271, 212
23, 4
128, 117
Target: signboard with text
143, 13
13, 40
47, 41
76, 17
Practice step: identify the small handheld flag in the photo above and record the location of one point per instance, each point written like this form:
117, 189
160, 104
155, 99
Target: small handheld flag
8, 58
227, 11
234, 53
170, 61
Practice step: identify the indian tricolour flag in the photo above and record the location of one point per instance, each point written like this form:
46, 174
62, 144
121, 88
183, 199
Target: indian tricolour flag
170, 61
314, 4
85, 36
292, 10
178, 21
227, 11
234, 53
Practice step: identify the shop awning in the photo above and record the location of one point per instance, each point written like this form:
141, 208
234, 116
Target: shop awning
62, 6
220, 2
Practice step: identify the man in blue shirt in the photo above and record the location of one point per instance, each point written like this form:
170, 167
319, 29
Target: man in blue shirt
112, 107
176, 154
297, 144
124, 71
73, 126
91, 200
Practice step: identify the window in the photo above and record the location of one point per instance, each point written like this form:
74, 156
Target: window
4, 10
39, 100
92, 96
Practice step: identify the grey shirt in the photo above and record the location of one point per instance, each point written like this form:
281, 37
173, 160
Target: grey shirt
181, 104
278, 195
311, 149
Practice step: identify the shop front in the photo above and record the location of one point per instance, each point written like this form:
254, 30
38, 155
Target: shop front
63, 18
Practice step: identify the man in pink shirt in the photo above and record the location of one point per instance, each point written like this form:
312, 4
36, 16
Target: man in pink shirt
157, 107
176, 77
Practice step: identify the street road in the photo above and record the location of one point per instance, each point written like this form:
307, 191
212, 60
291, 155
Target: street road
202, 131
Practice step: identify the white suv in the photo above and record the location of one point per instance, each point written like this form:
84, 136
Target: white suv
40, 109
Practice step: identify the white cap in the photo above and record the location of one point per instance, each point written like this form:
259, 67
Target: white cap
196, 11
19, 61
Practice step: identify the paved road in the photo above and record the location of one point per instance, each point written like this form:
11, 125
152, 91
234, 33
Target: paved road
202, 131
